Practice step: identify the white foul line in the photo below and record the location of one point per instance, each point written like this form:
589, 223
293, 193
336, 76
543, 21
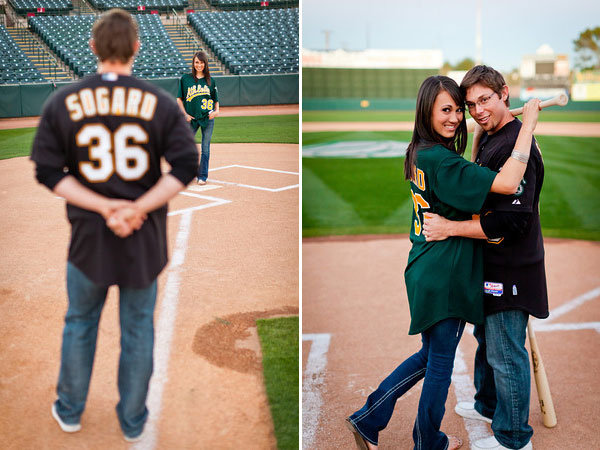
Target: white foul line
313, 380
253, 168
164, 334
571, 305
260, 188
465, 392
567, 326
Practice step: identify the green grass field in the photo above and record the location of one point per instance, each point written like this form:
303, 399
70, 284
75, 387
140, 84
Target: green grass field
280, 348
281, 129
548, 115
16, 142
357, 196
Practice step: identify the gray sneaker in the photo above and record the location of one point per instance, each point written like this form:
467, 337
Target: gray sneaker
468, 411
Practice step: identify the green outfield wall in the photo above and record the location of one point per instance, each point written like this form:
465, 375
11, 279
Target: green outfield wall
408, 104
378, 89
23, 100
323, 83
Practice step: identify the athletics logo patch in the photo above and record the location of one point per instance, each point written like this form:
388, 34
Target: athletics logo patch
495, 289
521, 188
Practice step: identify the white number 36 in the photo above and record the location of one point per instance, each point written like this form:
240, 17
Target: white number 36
130, 162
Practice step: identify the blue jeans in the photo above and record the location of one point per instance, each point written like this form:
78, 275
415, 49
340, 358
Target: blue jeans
136, 313
207, 132
502, 376
434, 362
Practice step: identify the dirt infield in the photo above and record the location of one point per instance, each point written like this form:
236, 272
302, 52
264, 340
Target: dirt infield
581, 129
355, 324
225, 111
234, 254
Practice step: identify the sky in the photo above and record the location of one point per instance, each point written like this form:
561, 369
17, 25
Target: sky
510, 29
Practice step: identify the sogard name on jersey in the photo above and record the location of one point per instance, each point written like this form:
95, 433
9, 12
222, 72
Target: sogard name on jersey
418, 179
101, 101
195, 91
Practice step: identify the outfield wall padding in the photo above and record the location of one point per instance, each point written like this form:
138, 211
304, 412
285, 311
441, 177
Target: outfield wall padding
10, 101
362, 83
23, 100
255, 90
33, 97
283, 89
409, 104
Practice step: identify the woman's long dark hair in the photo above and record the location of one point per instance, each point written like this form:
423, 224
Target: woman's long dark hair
423, 132
202, 57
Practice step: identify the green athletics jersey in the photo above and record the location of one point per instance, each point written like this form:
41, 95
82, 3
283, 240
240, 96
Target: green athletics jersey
198, 98
445, 278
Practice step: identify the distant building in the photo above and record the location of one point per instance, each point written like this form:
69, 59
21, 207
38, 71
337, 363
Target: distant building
544, 74
373, 59
586, 86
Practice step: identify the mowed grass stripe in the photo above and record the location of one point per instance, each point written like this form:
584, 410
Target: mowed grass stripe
329, 210
398, 217
568, 205
578, 151
334, 136
17, 142
349, 178
582, 198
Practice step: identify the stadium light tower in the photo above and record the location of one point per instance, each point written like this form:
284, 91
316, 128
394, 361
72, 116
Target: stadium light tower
327, 34
478, 33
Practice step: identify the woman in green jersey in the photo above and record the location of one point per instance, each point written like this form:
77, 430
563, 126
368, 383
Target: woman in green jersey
444, 279
198, 98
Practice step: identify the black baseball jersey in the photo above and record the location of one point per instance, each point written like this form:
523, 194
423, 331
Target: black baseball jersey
514, 271
110, 132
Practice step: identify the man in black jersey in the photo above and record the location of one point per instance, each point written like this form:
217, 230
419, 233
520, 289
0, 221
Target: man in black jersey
99, 145
515, 279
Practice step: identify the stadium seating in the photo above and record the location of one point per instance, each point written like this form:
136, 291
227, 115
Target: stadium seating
133, 5
251, 42
15, 67
251, 4
23, 7
68, 37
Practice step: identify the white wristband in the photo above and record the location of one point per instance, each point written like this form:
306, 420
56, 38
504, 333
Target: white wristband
521, 157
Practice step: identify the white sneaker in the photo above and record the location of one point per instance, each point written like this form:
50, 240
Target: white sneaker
467, 410
491, 443
66, 427
133, 439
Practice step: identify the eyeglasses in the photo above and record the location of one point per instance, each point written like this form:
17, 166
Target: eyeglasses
483, 101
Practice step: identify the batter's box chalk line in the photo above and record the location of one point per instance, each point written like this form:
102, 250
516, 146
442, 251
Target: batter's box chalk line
206, 187
312, 384
214, 201
249, 186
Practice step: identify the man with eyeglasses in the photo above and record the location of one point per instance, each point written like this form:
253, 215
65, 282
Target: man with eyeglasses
514, 274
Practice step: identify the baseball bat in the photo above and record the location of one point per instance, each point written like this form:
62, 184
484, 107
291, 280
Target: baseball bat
559, 100
541, 381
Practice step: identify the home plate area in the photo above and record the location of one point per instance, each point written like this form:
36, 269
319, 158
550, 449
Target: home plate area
255, 178
197, 197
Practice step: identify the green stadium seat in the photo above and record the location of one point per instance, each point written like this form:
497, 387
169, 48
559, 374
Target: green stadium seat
239, 38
